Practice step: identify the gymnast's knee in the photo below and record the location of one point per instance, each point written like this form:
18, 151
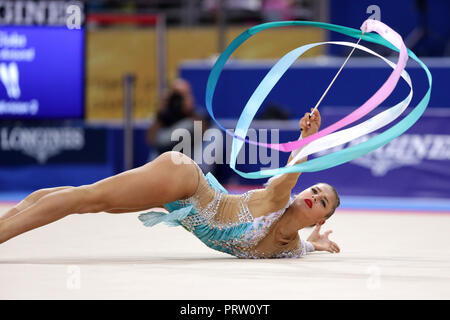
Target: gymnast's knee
175, 157
41, 192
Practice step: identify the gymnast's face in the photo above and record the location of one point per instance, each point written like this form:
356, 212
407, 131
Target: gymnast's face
315, 203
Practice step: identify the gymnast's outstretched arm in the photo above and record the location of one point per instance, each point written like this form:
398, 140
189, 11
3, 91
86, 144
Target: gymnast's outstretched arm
171, 176
281, 186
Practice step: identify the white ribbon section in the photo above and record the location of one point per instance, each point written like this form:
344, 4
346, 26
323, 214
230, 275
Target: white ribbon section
373, 124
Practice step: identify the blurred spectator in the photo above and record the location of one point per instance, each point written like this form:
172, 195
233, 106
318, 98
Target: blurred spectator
110, 5
249, 5
235, 11
277, 10
274, 111
97, 5
176, 111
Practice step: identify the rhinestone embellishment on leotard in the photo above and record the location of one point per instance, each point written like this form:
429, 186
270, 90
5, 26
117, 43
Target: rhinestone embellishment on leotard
243, 245
204, 215
207, 214
244, 214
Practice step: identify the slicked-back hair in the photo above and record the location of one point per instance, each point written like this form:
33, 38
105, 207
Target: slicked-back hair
337, 203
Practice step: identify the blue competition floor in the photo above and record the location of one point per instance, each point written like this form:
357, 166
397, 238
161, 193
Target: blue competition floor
347, 202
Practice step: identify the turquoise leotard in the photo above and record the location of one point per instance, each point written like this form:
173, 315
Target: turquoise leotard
236, 238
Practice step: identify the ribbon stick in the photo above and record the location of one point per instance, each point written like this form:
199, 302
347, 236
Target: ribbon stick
335, 77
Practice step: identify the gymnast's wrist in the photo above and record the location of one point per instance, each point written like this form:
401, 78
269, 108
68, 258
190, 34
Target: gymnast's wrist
310, 247
296, 151
307, 246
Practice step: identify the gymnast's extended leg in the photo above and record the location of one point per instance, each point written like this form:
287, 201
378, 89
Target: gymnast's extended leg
38, 194
29, 201
152, 185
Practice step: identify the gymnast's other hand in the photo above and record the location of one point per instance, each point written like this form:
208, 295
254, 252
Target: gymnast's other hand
321, 241
310, 125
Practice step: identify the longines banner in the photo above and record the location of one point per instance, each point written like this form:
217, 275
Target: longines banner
41, 59
42, 145
52, 13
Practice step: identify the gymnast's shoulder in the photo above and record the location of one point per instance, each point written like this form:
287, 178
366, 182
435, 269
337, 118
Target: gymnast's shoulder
269, 199
279, 188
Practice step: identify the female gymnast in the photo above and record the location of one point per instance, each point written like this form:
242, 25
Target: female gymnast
261, 223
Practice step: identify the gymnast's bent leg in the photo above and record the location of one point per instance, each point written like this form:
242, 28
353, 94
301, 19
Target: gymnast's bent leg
161, 181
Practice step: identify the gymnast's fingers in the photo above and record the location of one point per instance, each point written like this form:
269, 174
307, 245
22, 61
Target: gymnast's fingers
307, 120
335, 247
303, 123
317, 228
316, 116
306, 116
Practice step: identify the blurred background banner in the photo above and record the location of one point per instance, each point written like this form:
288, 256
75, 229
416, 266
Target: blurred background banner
42, 72
52, 154
69, 116
28, 145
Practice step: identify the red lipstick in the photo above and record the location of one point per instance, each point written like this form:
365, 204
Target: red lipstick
309, 203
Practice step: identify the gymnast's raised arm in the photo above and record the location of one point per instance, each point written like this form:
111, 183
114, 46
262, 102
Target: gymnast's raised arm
280, 187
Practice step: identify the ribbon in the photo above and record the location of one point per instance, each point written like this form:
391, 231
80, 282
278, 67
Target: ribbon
275, 74
371, 125
334, 139
386, 37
